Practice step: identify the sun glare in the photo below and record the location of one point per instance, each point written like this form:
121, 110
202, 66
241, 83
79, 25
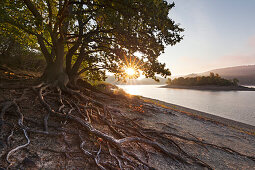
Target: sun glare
130, 71
132, 67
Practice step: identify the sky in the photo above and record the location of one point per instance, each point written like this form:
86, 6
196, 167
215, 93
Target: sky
218, 33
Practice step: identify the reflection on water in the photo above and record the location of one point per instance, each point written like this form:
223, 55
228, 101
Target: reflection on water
235, 105
250, 86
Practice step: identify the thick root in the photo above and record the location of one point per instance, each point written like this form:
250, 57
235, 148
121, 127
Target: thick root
113, 147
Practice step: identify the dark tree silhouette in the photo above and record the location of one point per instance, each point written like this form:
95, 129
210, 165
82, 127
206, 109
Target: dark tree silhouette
212, 79
77, 36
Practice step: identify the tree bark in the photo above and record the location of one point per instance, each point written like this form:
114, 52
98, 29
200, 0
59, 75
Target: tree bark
55, 71
60, 55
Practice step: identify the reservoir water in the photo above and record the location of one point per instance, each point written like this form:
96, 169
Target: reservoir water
234, 105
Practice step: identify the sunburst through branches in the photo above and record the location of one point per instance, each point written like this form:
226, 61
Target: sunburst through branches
132, 67
130, 71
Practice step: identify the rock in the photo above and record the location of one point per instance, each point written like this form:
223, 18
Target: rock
29, 164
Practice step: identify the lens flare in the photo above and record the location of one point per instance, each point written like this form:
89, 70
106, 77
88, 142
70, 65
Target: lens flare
130, 71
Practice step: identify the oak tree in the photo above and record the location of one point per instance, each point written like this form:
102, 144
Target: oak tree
92, 36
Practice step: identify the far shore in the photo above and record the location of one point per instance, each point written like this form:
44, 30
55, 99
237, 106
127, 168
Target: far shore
211, 87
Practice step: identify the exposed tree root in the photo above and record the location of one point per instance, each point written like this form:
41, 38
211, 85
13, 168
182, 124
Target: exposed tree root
114, 145
20, 123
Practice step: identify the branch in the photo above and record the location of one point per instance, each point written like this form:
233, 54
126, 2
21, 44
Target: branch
45, 51
77, 44
79, 60
40, 38
50, 12
60, 16
20, 26
33, 9
52, 34
86, 69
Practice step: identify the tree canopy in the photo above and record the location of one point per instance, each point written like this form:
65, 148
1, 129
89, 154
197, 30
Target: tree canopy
92, 36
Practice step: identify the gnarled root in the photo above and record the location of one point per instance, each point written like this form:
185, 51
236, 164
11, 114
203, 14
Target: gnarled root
108, 139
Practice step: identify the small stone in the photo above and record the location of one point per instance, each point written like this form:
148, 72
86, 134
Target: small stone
28, 164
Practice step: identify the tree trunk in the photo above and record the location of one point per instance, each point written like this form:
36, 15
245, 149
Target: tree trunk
60, 55
55, 72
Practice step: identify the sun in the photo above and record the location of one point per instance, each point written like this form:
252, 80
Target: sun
130, 71
131, 67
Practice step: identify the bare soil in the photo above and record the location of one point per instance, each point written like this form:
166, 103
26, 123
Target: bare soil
67, 144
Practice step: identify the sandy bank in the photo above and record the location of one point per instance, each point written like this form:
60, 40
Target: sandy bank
204, 116
211, 88
223, 133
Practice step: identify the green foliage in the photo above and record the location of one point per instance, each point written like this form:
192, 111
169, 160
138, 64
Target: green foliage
19, 55
169, 81
96, 35
235, 81
212, 79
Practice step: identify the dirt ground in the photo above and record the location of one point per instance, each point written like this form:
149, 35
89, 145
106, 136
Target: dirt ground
208, 132
219, 146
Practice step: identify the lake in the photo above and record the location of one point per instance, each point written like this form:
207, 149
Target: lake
234, 105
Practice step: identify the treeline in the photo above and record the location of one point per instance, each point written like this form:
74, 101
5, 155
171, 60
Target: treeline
212, 79
20, 54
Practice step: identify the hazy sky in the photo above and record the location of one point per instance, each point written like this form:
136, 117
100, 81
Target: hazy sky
218, 33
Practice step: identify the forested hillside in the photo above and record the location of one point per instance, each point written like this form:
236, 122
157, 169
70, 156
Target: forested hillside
245, 74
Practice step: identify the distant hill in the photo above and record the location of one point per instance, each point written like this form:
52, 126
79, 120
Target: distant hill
144, 81
245, 74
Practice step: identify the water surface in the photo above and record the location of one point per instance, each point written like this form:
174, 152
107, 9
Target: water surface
235, 105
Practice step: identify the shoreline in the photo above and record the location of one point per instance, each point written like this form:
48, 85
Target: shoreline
211, 88
203, 115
